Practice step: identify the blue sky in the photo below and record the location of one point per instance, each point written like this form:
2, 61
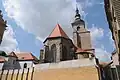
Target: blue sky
30, 28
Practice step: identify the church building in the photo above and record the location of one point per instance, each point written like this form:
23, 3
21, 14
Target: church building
59, 47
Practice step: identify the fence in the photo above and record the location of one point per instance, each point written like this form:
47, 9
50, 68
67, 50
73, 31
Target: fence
17, 74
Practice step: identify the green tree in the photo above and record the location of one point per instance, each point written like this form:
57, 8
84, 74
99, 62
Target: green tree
2, 53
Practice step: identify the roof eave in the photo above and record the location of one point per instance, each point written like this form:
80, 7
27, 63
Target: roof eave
55, 38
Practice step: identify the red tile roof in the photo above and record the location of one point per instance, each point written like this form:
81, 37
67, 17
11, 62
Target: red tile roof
79, 50
12, 54
25, 56
58, 32
22, 56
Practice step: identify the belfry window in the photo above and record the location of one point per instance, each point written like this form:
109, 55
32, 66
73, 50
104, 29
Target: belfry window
78, 28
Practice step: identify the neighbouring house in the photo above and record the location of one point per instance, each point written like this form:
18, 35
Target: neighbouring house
18, 60
109, 70
115, 58
112, 9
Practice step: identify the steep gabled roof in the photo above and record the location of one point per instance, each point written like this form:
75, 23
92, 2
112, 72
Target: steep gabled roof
58, 32
12, 54
23, 55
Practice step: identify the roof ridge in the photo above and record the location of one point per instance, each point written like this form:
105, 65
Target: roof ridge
63, 32
58, 32
23, 52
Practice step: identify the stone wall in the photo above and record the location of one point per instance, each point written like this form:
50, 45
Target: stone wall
66, 64
66, 70
81, 73
83, 69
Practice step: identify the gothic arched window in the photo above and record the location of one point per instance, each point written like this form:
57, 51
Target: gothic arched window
53, 53
64, 53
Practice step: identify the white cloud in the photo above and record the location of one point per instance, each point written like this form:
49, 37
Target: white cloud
96, 34
110, 39
9, 42
41, 16
102, 54
87, 3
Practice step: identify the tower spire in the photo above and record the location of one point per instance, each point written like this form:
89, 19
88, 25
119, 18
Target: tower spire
77, 16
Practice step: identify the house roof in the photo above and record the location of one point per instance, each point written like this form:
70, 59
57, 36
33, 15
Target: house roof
80, 50
12, 54
25, 56
21, 56
58, 32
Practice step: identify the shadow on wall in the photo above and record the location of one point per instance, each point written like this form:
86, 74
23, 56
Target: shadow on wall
11, 65
17, 74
